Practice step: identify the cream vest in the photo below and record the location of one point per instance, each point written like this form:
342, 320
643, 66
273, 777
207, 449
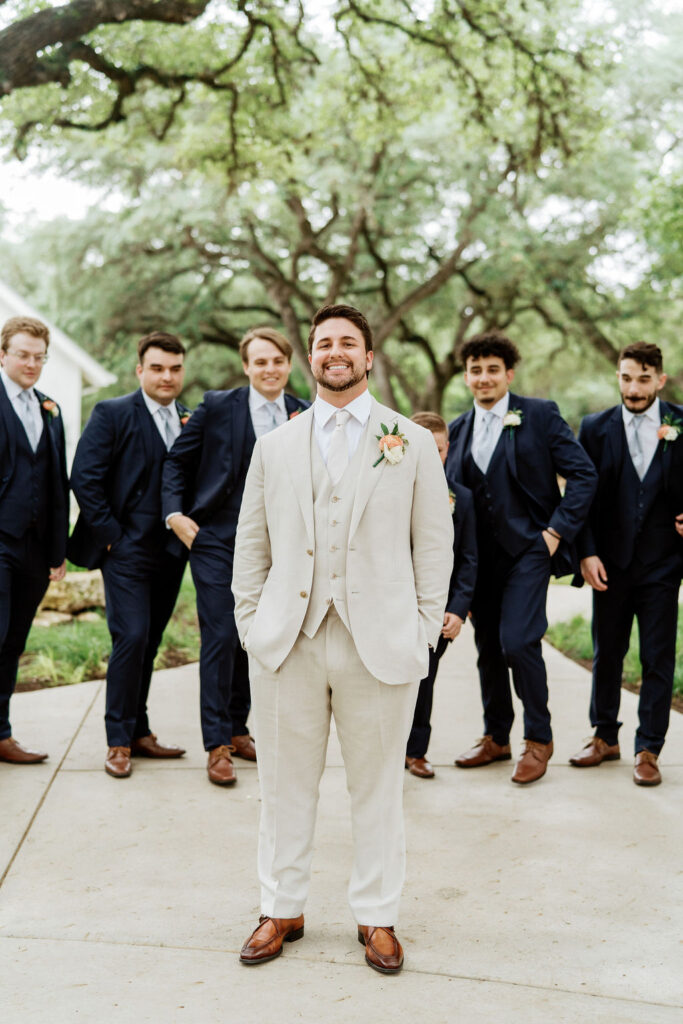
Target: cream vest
332, 507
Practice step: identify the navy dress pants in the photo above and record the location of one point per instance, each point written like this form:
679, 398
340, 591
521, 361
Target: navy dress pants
24, 576
225, 695
650, 595
421, 729
509, 618
141, 588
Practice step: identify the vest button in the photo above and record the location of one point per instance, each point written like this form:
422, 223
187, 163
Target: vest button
309, 551
333, 576
333, 523
303, 593
334, 547
335, 498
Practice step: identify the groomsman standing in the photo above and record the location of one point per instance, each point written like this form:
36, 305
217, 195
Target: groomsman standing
34, 505
116, 477
509, 451
632, 556
203, 481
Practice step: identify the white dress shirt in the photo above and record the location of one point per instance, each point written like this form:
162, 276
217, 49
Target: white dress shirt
647, 433
499, 410
154, 411
263, 411
13, 391
324, 422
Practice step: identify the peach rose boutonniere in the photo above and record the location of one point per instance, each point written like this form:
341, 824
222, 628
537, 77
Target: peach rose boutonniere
512, 419
392, 445
184, 418
451, 501
670, 430
295, 413
51, 407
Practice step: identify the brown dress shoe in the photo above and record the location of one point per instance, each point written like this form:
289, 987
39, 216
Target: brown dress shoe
645, 771
533, 762
484, 751
383, 951
219, 766
420, 766
244, 747
118, 763
265, 943
149, 746
14, 753
595, 752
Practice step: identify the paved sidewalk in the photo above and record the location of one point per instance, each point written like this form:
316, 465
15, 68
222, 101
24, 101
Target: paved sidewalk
127, 901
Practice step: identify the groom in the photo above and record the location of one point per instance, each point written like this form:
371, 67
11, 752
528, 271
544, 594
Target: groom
342, 564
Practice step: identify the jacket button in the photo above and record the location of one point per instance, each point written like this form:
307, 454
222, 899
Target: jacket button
303, 593
309, 551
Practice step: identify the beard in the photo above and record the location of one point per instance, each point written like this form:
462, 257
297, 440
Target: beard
355, 377
642, 403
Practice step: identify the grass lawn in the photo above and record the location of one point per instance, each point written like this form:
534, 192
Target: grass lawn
75, 651
573, 638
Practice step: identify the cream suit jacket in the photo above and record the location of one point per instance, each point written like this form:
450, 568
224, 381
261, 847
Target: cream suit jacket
399, 556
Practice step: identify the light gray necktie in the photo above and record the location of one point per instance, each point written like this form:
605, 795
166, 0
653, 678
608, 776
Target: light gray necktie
167, 423
635, 447
27, 419
486, 443
338, 455
273, 410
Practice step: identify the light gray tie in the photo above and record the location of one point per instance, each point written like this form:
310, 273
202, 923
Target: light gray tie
273, 409
635, 447
27, 419
167, 422
487, 442
338, 455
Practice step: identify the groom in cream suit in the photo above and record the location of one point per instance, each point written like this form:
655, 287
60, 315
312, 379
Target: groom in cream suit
342, 564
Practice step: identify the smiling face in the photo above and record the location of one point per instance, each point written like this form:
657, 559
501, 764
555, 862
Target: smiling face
22, 361
639, 384
488, 379
339, 361
266, 367
161, 374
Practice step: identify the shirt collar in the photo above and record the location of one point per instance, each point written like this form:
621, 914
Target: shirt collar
257, 400
153, 405
654, 413
12, 388
359, 409
499, 409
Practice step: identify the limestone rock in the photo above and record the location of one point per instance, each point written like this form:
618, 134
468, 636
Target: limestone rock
77, 592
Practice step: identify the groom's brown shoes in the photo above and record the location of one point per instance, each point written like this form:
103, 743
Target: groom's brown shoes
265, 942
383, 951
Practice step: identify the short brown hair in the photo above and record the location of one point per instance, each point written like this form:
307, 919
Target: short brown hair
160, 339
344, 313
268, 334
645, 353
490, 343
431, 421
24, 325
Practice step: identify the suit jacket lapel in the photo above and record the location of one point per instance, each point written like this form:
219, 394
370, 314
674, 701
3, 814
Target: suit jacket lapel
11, 420
147, 427
298, 454
510, 434
616, 438
369, 475
461, 445
241, 419
667, 449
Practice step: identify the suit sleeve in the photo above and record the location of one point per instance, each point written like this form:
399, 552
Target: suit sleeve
464, 574
89, 473
253, 557
182, 462
572, 462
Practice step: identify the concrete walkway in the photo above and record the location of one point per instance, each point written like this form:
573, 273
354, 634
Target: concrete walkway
128, 901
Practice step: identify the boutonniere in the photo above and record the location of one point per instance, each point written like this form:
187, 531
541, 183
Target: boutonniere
295, 413
184, 418
51, 407
512, 418
392, 445
669, 430
451, 501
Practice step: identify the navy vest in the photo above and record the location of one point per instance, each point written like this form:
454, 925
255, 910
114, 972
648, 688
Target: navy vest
142, 516
26, 502
641, 516
499, 503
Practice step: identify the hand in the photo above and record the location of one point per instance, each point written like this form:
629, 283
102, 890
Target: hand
452, 624
59, 573
594, 572
679, 524
184, 528
552, 542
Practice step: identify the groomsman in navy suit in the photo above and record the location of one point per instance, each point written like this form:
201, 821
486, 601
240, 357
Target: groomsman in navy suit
632, 556
203, 481
460, 591
34, 505
116, 477
509, 451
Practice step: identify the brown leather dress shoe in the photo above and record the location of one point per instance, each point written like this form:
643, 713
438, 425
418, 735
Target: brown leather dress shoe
14, 753
383, 951
420, 766
645, 770
595, 752
149, 746
484, 751
533, 762
219, 766
118, 763
244, 747
265, 943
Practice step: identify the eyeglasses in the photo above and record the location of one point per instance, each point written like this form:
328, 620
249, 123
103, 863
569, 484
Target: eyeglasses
28, 357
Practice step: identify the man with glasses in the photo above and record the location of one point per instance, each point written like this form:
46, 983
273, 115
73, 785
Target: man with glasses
33, 505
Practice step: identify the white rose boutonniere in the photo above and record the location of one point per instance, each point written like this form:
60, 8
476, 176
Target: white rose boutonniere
512, 419
669, 430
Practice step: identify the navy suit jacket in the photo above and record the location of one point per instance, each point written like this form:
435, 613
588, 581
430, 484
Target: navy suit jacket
58, 484
205, 470
464, 575
537, 451
602, 435
116, 455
